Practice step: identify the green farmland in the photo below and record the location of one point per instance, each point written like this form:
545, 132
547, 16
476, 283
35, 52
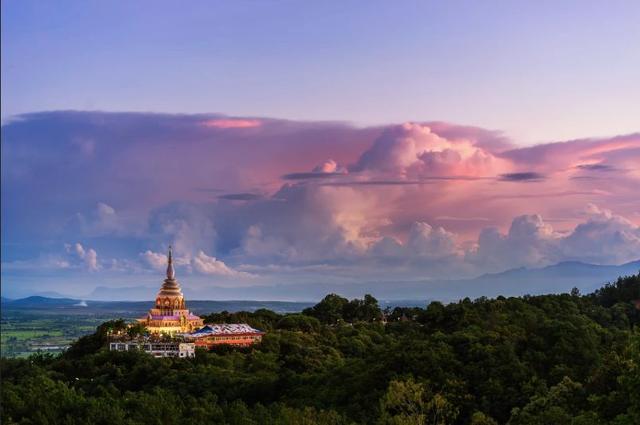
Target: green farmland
25, 332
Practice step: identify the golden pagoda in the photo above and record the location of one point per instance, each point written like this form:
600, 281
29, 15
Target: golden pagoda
170, 314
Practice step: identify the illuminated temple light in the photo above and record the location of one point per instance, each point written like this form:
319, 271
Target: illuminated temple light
170, 314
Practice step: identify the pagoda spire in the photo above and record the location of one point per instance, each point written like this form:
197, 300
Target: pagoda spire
170, 314
171, 272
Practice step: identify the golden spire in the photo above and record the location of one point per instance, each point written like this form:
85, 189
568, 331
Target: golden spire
171, 273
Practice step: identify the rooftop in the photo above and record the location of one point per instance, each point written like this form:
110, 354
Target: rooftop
225, 329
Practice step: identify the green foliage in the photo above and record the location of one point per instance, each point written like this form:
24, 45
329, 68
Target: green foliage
553, 359
408, 402
330, 310
479, 418
92, 343
625, 289
262, 319
136, 329
403, 403
558, 405
299, 322
334, 309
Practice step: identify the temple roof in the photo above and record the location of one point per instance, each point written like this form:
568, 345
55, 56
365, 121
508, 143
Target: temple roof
225, 329
170, 286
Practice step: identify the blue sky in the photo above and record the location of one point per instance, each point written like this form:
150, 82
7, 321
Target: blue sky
540, 71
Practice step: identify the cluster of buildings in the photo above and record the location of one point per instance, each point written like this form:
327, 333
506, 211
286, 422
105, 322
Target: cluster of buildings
174, 331
157, 348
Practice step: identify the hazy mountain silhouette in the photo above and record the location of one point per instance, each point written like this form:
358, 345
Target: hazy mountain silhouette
556, 278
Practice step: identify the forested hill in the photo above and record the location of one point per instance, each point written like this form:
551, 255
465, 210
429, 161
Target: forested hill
553, 359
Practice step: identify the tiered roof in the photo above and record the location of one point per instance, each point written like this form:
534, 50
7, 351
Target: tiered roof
189, 316
226, 329
170, 286
170, 313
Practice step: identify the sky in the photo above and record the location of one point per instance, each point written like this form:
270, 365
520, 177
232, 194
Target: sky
540, 71
282, 143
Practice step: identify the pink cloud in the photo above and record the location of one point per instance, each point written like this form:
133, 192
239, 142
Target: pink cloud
414, 151
564, 155
320, 192
232, 123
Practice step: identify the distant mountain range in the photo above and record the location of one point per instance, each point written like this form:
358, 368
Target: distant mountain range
38, 301
557, 278
561, 277
132, 309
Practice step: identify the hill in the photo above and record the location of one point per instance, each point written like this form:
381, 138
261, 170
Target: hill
546, 359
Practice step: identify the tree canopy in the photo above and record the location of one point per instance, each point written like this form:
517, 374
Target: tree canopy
551, 359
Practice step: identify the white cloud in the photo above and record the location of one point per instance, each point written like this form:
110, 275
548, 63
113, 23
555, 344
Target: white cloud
424, 242
212, 266
189, 227
105, 211
102, 220
88, 256
529, 242
428, 242
201, 263
155, 260
605, 238
298, 241
158, 261
257, 245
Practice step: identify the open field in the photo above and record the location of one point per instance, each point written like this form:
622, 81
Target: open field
27, 332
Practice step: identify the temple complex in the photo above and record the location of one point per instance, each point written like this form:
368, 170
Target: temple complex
238, 334
170, 314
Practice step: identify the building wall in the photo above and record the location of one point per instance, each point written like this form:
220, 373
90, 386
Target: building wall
157, 349
170, 326
239, 340
170, 329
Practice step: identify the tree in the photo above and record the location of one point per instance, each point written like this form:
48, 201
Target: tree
137, 329
410, 403
625, 289
558, 406
370, 310
94, 342
403, 404
630, 380
329, 310
299, 322
479, 418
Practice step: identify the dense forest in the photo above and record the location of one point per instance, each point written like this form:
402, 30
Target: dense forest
552, 359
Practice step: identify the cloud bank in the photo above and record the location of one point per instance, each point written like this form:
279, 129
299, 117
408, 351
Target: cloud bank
271, 201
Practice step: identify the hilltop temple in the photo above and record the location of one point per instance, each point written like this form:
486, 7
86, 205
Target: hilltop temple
170, 314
